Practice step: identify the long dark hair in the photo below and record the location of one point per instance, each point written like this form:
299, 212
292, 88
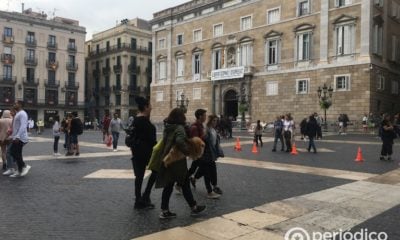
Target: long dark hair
176, 116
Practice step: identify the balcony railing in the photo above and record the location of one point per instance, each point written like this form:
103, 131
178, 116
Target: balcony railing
72, 85
7, 58
71, 48
52, 64
51, 45
72, 67
52, 83
117, 68
30, 42
31, 61
7, 80
106, 70
30, 100
8, 39
134, 69
30, 81
122, 47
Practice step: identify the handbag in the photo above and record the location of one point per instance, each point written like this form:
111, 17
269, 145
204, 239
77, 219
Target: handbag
155, 162
109, 141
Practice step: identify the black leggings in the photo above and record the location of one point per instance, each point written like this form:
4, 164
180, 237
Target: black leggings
256, 138
208, 169
186, 191
387, 148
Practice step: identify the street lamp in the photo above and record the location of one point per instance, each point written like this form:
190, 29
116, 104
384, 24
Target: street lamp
182, 103
325, 100
243, 106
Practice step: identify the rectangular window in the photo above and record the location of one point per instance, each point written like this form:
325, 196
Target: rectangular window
218, 30
217, 59
133, 43
71, 43
71, 78
30, 38
52, 57
71, 60
395, 87
246, 54
179, 39
380, 83
302, 86
245, 23
197, 63
342, 3
52, 76
178, 94
303, 46
378, 39
394, 48
272, 88
159, 96
197, 35
342, 83
7, 72
30, 74
118, 100
303, 7
52, 40
274, 16
161, 43
118, 60
30, 54
162, 68
118, 43
272, 52
8, 32
344, 40
180, 67
108, 46
196, 93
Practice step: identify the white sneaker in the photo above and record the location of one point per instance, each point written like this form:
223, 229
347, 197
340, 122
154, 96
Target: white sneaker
9, 172
213, 195
25, 170
16, 174
114, 150
57, 154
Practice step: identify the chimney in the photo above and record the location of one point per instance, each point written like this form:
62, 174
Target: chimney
23, 7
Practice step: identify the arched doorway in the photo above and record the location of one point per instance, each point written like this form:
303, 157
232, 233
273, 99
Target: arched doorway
231, 104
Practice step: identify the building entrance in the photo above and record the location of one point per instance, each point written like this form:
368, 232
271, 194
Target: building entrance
231, 104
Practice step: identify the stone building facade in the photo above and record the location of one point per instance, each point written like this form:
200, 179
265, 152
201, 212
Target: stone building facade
118, 68
266, 58
42, 63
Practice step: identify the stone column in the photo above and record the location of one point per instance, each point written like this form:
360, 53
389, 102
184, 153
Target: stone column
324, 32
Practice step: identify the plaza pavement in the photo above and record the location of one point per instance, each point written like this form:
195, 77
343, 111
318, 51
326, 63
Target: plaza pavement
265, 194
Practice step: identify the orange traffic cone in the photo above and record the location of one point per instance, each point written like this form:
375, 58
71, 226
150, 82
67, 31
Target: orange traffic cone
238, 147
359, 157
294, 150
254, 149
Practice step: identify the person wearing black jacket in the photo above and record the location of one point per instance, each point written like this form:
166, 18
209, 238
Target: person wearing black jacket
387, 135
311, 131
145, 139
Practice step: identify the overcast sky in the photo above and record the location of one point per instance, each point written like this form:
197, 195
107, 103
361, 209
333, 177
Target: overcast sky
95, 15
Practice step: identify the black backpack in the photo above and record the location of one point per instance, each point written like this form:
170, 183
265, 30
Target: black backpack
130, 138
79, 129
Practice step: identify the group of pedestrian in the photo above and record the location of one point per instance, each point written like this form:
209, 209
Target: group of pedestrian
72, 127
147, 151
284, 127
13, 137
388, 131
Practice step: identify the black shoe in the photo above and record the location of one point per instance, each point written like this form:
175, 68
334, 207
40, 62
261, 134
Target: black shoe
389, 159
288, 150
77, 154
193, 181
282, 150
139, 205
308, 149
4, 166
274, 150
167, 215
217, 190
197, 210
382, 158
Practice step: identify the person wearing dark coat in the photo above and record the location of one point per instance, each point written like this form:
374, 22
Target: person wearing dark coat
303, 126
387, 135
311, 132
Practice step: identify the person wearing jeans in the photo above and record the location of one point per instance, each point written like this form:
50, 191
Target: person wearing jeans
278, 126
115, 127
311, 131
19, 139
56, 134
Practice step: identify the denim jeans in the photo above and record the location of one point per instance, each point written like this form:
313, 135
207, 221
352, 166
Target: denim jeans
280, 137
115, 136
55, 146
311, 144
10, 159
16, 152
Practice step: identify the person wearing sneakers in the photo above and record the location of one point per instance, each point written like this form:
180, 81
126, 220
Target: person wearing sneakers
311, 132
175, 135
115, 127
19, 139
387, 135
5, 126
75, 125
56, 135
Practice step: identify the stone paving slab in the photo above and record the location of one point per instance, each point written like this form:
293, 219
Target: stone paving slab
260, 235
175, 233
253, 218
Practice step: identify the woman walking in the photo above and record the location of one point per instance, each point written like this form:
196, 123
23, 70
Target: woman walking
288, 132
311, 132
145, 139
5, 127
387, 136
56, 135
175, 135
258, 133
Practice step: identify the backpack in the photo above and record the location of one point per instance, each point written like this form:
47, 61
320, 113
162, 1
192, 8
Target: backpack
79, 129
130, 138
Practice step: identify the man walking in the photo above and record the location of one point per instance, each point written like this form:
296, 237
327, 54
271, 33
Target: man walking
76, 128
115, 127
19, 139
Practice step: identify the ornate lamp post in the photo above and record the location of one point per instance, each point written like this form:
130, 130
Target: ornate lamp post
243, 107
182, 103
325, 100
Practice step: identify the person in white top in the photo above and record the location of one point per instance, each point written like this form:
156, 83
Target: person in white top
31, 124
19, 139
56, 135
288, 126
365, 123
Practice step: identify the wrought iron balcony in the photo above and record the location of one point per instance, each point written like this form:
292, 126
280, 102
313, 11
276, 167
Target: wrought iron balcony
55, 84
71, 48
30, 42
7, 80
30, 81
117, 68
72, 85
31, 61
106, 70
52, 64
7, 58
52, 45
8, 39
72, 67
134, 69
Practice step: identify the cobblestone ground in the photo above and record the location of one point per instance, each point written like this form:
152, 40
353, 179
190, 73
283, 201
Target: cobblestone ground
56, 201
